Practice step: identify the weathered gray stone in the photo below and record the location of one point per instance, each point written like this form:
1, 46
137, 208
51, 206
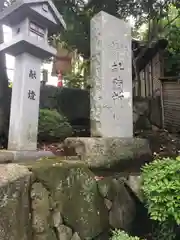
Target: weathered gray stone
40, 208
7, 156
64, 232
49, 235
75, 194
57, 219
108, 203
75, 236
134, 182
106, 188
123, 209
15, 219
119, 154
111, 115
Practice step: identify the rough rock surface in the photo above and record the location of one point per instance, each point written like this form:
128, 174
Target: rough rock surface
14, 202
118, 154
134, 182
64, 232
75, 194
40, 209
57, 219
75, 237
123, 207
123, 210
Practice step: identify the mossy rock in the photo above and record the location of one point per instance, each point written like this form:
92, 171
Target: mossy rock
75, 193
109, 187
15, 184
106, 188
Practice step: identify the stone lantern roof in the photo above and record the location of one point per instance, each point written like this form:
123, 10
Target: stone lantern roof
21, 9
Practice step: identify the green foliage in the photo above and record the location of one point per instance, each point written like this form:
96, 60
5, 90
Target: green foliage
74, 80
78, 77
164, 231
121, 235
161, 187
166, 25
53, 126
67, 101
172, 59
77, 15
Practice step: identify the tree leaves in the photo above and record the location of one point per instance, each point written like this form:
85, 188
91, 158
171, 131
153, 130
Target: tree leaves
77, 15
161, 187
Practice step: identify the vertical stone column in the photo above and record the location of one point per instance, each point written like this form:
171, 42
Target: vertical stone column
25, 103
111, 77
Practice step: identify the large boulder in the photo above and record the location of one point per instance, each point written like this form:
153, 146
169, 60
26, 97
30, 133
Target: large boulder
41, 213
123, 211
14, 202
123, 206
116, 154
73, 192
134, 183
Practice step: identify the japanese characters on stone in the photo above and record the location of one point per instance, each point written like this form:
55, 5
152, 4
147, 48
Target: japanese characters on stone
32, 74
119, 46
31, 93
117, 88
117, 66
119, 51
117, 81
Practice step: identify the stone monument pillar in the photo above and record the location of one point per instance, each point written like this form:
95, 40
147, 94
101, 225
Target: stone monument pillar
111, 77
30, 22
112, 146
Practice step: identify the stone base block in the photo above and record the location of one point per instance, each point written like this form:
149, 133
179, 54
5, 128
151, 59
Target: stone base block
7, 156
119, 154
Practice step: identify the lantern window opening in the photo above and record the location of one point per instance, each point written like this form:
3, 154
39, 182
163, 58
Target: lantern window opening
36, 30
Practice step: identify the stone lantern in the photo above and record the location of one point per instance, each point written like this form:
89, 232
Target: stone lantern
31, 22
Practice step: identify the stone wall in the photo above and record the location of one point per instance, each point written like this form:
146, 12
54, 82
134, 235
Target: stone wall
55, 199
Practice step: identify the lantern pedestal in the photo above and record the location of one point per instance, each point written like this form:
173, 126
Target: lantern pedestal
25, 103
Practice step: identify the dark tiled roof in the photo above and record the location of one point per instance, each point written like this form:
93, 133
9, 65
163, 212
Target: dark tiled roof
144, 53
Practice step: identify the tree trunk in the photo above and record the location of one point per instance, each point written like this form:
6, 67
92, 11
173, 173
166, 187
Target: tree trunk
4, 95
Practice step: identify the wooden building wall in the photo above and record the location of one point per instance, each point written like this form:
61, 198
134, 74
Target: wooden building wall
171, 104
149, 78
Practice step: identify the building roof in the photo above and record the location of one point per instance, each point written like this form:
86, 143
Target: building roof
144, 52
16, 8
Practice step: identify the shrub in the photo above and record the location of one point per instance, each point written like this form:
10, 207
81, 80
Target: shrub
161, 187
121, 235
53, 126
